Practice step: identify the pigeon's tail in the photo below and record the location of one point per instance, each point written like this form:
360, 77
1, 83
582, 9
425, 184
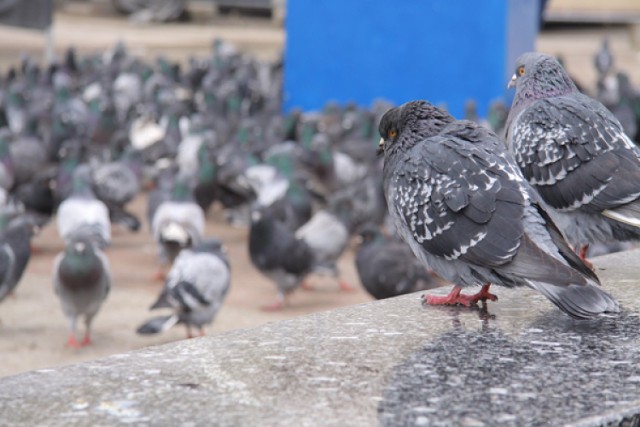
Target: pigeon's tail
157, 324
578, 301
628, 214
125, 218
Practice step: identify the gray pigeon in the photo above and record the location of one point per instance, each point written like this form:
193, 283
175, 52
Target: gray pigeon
574, 152
82, 213
15, 252
178, 223
82, 279
327, 235
387, 268
460, 202
195, 289
278, 254
603, 59
116, 183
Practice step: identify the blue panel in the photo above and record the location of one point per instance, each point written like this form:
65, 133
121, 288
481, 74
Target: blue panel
360, 50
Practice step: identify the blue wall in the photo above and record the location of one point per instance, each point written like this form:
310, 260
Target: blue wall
442, 51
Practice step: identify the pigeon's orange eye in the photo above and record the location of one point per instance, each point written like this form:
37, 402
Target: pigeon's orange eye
521, 71
392, 133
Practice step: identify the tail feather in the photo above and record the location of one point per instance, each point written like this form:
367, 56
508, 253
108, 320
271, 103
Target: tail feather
157, 324
578, 301
628, 214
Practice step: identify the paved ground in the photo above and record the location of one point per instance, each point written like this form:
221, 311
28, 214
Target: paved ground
33, 329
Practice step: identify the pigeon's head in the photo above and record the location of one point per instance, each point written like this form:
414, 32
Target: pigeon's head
540, 76
404, 126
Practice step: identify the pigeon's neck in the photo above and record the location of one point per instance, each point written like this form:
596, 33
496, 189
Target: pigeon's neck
535, 89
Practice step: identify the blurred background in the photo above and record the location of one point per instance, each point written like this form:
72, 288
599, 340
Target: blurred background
260, 107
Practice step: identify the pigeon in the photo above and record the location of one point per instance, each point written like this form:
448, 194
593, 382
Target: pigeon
178, 223
327, 234
603, 59
116, 183
458, 199
387, 268
6, 162
82, 280
15, 252
277, 253
82, 213
574, 152
28, 154
195, 289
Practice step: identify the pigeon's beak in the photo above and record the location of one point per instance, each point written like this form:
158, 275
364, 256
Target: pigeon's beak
380, 149
512, 82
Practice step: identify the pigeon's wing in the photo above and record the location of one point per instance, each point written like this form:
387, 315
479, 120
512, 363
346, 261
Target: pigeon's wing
325, 234
115, 183
460, 201
576, 154
196, 280
297, 256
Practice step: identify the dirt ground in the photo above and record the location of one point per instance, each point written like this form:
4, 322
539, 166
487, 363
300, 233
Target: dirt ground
33, 330
32, 327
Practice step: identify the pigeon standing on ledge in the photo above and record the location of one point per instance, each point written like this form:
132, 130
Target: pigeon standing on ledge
574, 152
460, 202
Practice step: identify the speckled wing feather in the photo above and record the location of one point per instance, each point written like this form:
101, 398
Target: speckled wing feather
460, 202
576, 154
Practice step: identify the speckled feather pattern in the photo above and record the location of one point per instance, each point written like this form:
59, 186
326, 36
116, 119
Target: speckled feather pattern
574, 152
459, 200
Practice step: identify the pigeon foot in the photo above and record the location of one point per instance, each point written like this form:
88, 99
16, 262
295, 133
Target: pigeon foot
277, 305
455, 297
582, 254
160, 275
307, 286
72, 342
86, 341
345, 287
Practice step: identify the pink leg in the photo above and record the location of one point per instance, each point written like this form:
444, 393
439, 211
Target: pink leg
582, 253
160, 275
455, 297
86, 340
72, 342
344, 286
277, 305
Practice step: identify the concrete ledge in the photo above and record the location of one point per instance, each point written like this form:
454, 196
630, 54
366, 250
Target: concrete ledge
522, 362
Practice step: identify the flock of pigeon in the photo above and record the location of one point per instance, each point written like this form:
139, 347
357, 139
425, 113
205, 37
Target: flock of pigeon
83, 137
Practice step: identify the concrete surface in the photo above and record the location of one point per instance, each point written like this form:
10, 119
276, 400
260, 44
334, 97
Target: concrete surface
518, 362
32, 327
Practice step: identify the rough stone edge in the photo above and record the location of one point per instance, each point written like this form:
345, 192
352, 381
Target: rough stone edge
628, 415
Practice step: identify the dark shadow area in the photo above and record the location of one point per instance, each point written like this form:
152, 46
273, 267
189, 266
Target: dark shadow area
558, 370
